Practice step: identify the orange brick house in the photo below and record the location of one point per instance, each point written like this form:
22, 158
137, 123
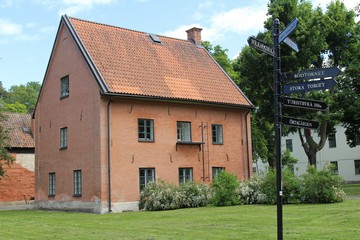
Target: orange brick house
18, 183
119, 108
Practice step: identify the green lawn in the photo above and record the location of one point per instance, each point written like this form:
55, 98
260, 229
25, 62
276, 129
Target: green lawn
352, 190
301, 221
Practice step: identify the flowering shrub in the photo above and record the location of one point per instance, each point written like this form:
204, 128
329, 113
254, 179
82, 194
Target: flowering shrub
250, 191
161, 195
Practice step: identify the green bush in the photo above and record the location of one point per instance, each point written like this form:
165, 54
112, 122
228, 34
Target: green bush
321, 186
225, 190
161, 195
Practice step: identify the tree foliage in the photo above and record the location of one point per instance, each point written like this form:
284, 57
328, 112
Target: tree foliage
5, 157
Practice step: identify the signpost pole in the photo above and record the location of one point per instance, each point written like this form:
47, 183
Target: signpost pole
277, 103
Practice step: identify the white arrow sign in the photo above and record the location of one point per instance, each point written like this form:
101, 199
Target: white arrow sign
289, 28
291, 44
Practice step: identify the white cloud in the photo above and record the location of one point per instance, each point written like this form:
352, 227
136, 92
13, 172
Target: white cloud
9, 28
72, 7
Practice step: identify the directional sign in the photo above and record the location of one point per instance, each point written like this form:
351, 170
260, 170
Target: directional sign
291, 44
253, 42
308, 86
311, 74
304, 103
302, 123
289, 28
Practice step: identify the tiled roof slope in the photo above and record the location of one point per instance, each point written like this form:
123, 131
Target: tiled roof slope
15, 124
132, 64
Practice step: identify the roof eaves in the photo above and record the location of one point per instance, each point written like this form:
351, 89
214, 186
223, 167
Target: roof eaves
99, 78
236, 86
178, 100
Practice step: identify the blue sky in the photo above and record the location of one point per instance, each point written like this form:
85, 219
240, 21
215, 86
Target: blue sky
28, 27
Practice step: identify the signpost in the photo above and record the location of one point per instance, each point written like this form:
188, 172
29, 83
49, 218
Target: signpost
255, 43
311, 74
302, 123
289, 28
308, 86
291, 44
304, 103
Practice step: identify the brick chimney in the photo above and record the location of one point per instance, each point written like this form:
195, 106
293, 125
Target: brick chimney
194, 35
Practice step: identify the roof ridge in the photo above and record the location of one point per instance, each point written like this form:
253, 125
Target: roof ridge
126, 29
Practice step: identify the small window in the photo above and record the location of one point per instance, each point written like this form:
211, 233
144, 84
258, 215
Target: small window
77, 183
184, 131
217, 133
146, 130
336, 168
185, 175
155, 38
289, 144
357, 140
146, 175
216, 171
332, 140
51, 184
64, 87
63, 138
357, 166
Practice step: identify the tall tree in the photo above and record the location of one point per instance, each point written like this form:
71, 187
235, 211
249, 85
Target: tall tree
23, 95
5, 157
317, 49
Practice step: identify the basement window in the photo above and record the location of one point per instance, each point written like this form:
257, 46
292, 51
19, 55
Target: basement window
154, 38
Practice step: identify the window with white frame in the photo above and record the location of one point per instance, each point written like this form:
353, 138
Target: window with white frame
185, 175
64, 87
146, 130
217, 133
63, 138
289, 144
216, 171
332, 140
77, 183
336, 167
146, 175
184, 131
51, 192
357, 166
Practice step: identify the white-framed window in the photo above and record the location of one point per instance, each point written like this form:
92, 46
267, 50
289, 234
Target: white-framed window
184, 131
52, 181
217, 133
289, 144
146, 175
216, 171
336, 167
185, 175
64, 87
146, 130
357, 166
77, 183
63, 138
332, 140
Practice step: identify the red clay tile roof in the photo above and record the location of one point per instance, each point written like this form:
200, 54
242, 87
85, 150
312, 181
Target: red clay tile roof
15, 124
131, 64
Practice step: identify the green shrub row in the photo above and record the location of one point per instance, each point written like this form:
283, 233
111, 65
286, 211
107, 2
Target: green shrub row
315, 186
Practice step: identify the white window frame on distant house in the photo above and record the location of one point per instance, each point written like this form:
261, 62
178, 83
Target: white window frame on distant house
52, 183
63, 138
217, 133
332, 140
336, 167
216, 171
357, 166
146, 175
289, 144
145, 130
77, 183
185, 175
64, 87
183, 131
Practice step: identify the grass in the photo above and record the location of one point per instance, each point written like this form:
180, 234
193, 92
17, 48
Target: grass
352, 190
301, 221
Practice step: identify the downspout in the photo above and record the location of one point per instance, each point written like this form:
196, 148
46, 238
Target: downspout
202, 150
108, 152
247, 143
